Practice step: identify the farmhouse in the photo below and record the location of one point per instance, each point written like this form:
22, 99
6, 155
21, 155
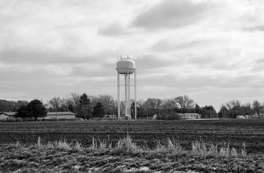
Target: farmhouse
190, 116
255, 115
60, 115
7, 115
241, 117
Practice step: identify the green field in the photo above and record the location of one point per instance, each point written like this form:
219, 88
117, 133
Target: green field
152, 151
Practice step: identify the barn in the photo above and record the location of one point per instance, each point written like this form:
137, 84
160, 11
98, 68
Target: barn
60, 115
3, 116
7, 115
190, 116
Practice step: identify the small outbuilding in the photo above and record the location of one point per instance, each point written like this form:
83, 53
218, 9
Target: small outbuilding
3, 116
7, 115
61, 115
190, 116
240, 117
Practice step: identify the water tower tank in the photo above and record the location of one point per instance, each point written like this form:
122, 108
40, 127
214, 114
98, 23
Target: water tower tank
125, 66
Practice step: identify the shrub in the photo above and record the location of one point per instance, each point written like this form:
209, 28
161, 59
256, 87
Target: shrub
50, 119
31, 119
3, 120
79, 119
38, 119
168, 116
19, 119
172, 147
11, 120
53, 119
77, 146
126, 145
110, 117
62, 119
64, 145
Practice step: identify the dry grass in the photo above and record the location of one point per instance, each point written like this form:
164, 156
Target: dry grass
170, 147
77, 146
169, 155
243, 150
126, 145
204, 150
63, 145
39, 145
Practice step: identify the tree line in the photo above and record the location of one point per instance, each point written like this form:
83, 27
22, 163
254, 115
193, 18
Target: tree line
79, 104
180, 104
234, 108
88, 106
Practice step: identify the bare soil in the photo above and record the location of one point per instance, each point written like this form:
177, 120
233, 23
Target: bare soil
27, 158
147, 133
31, 159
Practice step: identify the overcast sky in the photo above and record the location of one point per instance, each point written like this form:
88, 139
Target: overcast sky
210, 50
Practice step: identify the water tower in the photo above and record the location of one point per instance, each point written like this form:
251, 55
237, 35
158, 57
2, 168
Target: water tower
126, 67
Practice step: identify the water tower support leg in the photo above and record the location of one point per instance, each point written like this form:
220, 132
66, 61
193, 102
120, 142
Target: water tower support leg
135, 87
118, 95
128, 95
125, 94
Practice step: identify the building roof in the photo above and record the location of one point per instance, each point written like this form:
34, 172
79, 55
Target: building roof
8, 113
190, 114
256, 114
60, 113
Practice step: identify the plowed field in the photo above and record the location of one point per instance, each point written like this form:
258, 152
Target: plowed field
145, 133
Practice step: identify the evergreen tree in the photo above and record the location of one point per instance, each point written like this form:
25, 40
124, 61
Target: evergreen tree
84, 109
22, 112
132, 108
99, 110
223, 112
71, 108
36, 109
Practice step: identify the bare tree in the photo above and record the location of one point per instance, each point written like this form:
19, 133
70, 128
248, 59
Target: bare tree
68, 101
262, 108
247, 110
55, 102
143, 109
108, 103
169, 104
234, 107
75, 98
153, 105
257, 107
223, 112
65, 103
153, 102
184, 103
233, 103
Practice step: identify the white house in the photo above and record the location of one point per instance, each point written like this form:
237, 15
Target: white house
7, 115
60, 115
190, 116
255, 115
3, 116
241, 117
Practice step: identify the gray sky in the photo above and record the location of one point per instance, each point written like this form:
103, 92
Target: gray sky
210, 50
